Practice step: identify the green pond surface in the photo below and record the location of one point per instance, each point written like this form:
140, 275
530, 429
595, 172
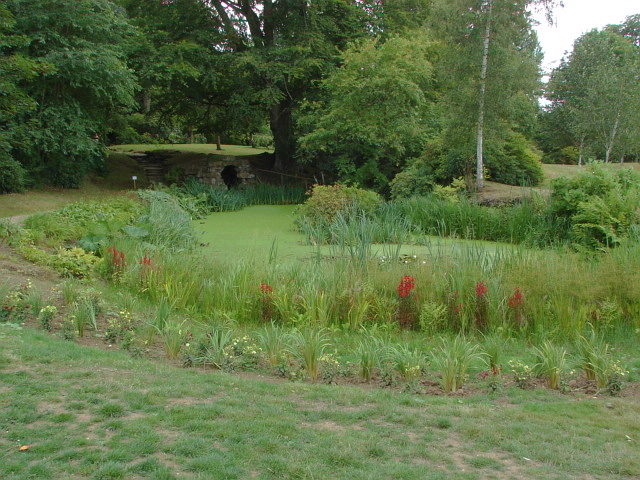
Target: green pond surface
258, 232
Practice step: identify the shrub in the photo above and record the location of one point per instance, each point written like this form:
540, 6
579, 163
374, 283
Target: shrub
602, 206
514, 162
13, 177
417, 179
73, 262
326, 201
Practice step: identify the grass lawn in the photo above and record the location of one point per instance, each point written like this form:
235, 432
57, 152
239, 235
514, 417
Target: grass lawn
209, 148
79, 412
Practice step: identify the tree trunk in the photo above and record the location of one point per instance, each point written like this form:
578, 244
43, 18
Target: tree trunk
612, 139
282, 130
580, 150
218, 142
481, 106
146, 101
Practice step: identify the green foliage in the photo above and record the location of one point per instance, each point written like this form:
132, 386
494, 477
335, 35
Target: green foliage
210, 198
77, 220
326, 201
409, 362
370, 352
417, 179
165, 224
489, 68
513, 162
601, 205
13, 177
453, 358
308, 346
433, 317
595, 98
550, 363
86, 86
377, 110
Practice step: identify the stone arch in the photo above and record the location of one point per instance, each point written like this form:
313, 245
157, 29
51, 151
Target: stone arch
230, 177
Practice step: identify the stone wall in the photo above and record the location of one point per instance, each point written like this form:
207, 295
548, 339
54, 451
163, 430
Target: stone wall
209, 170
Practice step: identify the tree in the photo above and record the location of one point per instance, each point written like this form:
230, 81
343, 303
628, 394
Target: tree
15, 70
596, 96
189, 83
88, 85
288, 45
490, 67
376, 110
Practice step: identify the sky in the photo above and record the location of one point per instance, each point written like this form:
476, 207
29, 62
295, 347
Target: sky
578, 17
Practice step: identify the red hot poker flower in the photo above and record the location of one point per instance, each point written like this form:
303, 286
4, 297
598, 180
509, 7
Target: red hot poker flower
516, 300
265, 288
407, 284
481, 289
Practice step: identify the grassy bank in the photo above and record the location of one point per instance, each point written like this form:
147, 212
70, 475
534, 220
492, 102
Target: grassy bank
85, 413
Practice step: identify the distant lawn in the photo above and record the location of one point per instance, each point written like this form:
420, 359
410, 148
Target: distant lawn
208, 148
555, 171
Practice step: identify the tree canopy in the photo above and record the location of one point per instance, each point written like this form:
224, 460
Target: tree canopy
86, 85
595, 94
366, 90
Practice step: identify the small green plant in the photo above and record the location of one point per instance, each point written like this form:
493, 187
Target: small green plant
33, 299
69, 328
118, 326
70, 290
308, 346
408, 362
331, 368
173, 337
213, 350
597, 364
163, 314
83, 315
453, 358
243, 352
433, 317
493, 346
522, 373
273, 343
550, 363
608, 315
369, 353
46, 315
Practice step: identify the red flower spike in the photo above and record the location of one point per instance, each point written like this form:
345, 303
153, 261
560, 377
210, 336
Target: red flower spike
407, 284
516, 300
481, 290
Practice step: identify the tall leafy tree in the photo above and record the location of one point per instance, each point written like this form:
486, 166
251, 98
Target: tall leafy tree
15, 70
376, 110
89, 83
595, 95
287, 45
490, 71
189, 82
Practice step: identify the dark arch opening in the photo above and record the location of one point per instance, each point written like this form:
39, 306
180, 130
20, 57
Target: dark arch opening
229, 175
